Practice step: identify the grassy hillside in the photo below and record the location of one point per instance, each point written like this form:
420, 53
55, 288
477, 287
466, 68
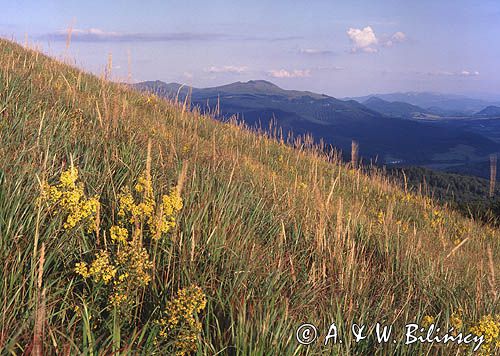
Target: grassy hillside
272, 236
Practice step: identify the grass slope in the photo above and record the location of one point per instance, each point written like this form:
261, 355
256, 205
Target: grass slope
274, 235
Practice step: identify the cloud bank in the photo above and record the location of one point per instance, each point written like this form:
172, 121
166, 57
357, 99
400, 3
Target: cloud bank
283, 73
314, 51
98, 35
227, 69
462, 73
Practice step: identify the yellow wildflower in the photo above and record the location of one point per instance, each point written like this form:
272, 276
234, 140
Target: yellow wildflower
456, 321
134, 259
172, 202
117, 299
101, 269
489, 327
380, 218
118, 234
427, 321
179, 322
69, 177
69, 197
82, 269
158, 219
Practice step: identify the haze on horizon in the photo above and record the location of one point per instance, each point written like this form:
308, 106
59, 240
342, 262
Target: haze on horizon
340, 48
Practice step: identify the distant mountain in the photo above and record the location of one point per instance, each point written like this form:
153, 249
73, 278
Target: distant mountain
336, 122
169, 90
490, 111
436, 103
256, 95
395, 108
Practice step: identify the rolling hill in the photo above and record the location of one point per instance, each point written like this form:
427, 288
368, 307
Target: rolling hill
132, 225
490, 111
335, 122
396, 109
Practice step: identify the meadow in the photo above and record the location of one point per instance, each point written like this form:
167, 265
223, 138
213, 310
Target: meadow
130, 224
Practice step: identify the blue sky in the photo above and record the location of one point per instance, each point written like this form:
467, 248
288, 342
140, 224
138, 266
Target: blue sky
341, 48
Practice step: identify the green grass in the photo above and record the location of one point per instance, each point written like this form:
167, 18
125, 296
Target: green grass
275, 235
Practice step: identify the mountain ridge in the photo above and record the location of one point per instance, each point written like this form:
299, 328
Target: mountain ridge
489, 111
437, 103
336, 122
395, 108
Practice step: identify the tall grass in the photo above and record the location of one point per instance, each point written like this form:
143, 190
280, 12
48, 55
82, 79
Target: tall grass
274, 234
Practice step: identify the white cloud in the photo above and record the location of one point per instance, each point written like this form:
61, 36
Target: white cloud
227, 69
330, 68
467, 73
363, 39
398, 37
443, 72
314, 51
90, 31
188, 75
296, 73
462, 73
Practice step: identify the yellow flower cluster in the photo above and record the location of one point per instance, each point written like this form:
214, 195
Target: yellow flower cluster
130, 267
151, 99
459, 232
125, 264
133, 259
456, 321
136, 212
118, 234
427, 321
403, 225
179, 322
118, 299
407, 197
436, 219
69, 198
491, 232
128, 264
82, 269
380, 218
158, 218
130, 271
489, 327
165, 219
101, 269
